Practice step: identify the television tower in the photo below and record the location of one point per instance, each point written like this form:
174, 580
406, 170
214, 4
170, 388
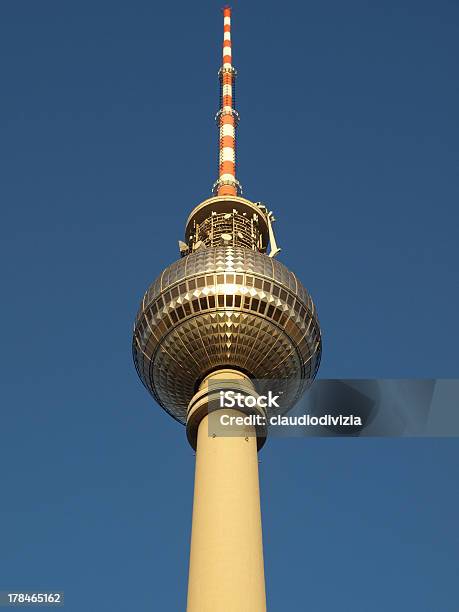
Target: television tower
225, 315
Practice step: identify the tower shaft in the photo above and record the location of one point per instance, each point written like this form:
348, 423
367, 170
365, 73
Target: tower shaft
226, 558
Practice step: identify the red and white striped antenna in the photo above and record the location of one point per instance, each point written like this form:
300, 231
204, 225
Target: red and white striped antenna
227, 118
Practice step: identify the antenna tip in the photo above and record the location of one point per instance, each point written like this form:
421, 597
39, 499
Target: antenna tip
226, 11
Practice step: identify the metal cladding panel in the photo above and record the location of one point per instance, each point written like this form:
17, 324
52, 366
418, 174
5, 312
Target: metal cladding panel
226, 259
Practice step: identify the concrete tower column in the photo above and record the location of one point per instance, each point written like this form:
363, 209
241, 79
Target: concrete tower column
226, 561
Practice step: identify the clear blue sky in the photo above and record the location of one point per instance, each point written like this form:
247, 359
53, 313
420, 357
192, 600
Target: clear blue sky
349, 131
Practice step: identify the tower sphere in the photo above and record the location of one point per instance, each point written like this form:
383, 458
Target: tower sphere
224, 307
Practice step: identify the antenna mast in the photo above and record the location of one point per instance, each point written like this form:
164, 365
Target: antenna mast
227, 118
